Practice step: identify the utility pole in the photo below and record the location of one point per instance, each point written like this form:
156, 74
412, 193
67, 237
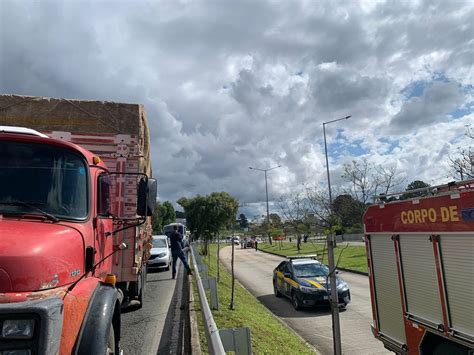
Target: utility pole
336, 326
266, 194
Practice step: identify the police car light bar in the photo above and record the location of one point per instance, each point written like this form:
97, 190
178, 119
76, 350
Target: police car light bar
311, 256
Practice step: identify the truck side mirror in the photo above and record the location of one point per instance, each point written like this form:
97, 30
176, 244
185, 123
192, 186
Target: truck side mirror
146, 197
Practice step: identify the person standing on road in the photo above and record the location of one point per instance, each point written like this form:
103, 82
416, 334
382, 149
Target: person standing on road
256, 244
176, 245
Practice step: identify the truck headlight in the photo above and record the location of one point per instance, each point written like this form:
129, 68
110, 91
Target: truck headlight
18, 328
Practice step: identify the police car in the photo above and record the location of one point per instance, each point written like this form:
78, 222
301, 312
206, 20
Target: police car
305, 281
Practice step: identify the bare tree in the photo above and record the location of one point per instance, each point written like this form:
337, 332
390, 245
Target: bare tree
294, 209
318, 203
368, 180
387, 178
463, 162
360, 175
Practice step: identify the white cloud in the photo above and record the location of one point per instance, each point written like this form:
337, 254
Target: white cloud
232, 84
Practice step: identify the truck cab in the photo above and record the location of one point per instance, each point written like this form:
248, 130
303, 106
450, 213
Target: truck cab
58, 290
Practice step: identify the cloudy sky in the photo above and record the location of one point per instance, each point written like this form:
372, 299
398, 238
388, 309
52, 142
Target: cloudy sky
233, 84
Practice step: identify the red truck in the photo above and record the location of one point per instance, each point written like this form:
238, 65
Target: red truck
421, 264
76, 194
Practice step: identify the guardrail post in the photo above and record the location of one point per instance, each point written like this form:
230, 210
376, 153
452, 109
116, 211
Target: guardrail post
237, 340
214, 296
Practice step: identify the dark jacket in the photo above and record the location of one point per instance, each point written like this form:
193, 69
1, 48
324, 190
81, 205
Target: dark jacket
176, 241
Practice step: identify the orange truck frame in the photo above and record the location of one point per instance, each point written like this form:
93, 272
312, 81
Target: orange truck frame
420, 255
76, 194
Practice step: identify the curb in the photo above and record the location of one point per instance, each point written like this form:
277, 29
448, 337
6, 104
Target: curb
353, 271
339, 268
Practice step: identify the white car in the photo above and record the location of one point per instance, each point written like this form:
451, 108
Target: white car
160, 253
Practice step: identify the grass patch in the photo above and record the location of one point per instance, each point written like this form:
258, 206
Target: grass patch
269, 336
200, 320
352, 257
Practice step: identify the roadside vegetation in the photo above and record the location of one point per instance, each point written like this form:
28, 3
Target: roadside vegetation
269, 335
346, 256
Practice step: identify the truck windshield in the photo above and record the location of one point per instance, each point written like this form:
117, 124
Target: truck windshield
43, 180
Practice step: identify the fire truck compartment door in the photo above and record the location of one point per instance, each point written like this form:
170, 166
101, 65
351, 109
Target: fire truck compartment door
457, 255
421, 283
387, 289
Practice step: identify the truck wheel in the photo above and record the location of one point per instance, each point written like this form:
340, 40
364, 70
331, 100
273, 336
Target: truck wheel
141, 285
111, 344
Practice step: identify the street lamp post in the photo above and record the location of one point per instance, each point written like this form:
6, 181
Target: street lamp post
336, 326
266, 191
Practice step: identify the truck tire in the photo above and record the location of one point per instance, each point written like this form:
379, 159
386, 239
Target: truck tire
142, 285
111, 343
98, 331
136, 289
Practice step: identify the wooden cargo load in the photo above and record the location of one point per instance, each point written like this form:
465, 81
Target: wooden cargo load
46, 114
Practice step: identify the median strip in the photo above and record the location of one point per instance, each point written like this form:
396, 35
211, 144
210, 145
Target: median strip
268, 335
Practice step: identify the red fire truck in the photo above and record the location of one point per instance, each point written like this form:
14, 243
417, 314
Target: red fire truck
75, 201
421, 270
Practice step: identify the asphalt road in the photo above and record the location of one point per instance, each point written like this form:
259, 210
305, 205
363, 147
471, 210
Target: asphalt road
153, 328
254, 270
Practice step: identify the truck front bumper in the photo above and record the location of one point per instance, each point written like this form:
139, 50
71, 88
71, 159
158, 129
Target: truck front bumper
47, 319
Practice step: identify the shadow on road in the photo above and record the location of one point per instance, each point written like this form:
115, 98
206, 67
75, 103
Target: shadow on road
155, 270
282, 307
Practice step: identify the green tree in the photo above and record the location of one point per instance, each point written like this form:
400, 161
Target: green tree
163, 214
243, 222
417, 184
349, 211
180, 214
275, 219
168, 214
156, 220
206, 215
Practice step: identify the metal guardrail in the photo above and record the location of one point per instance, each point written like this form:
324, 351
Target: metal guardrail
214, 342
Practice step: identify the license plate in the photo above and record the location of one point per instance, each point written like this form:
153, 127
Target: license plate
326, 297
